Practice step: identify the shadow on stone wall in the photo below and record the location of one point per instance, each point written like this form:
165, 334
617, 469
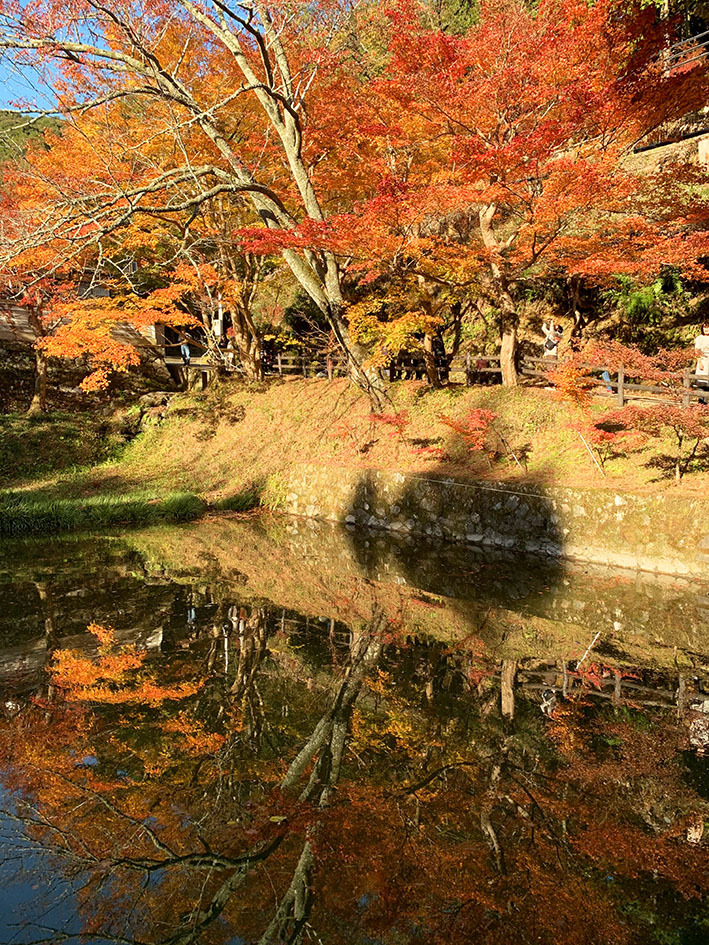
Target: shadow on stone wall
436, 507
502, 547
664, 533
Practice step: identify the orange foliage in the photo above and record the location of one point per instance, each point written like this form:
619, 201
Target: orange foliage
474, 428
473, 161
107, 679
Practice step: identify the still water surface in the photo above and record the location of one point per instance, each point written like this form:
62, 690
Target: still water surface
275, 732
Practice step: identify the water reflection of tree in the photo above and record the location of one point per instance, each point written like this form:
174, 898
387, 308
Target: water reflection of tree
395, 796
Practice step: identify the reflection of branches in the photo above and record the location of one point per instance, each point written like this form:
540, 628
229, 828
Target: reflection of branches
328, 739
202, 918
57, 935
211, 877
326, 744
294, 908
413, 788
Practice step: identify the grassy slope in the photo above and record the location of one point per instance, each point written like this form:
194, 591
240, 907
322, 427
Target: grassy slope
45, 478
226, 444
223, 442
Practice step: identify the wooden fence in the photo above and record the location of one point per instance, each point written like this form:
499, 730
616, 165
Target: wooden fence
470, 370
668, 690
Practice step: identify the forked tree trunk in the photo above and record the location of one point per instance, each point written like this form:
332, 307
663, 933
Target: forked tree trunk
248, 344
509, 318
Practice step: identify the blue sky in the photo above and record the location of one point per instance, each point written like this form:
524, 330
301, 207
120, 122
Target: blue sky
14, 86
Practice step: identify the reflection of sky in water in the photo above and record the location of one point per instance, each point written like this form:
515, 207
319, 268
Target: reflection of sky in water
34, 895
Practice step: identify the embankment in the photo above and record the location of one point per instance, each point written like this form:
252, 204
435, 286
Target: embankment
663, 532
312, 448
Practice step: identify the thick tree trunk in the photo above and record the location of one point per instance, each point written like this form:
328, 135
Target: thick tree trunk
366, 377
39, 398
429, 359
247, 335
248, 344
508, 311
508, 354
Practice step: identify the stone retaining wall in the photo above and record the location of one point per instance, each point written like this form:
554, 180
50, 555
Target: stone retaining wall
662, 533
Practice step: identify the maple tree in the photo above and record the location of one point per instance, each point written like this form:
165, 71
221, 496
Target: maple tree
164, 140
445, 170
187, 274
687, 426
474, 428
503, 158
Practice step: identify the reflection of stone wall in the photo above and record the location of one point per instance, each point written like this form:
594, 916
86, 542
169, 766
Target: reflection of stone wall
662, 533
518, 606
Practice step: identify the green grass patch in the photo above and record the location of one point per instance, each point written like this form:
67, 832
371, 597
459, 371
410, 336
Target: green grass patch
31, 447
23, 515
244, 500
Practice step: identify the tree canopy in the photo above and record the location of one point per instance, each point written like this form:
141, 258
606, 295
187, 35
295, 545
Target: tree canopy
397, 161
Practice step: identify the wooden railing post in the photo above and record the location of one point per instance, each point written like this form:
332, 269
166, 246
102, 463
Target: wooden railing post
687, 388
329, 368
468, 370
305, 365
621, 386
280, 365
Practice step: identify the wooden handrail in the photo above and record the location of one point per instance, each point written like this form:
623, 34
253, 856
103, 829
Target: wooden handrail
472, 365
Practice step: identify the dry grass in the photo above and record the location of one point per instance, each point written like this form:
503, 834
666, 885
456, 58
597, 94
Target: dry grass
229, 442
231, 439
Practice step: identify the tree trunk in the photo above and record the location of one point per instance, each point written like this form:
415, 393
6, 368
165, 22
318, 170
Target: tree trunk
429, 360
247, 336
457, 311
508, 311
248, 344
366, 377
508, 354
574, 284
39, 398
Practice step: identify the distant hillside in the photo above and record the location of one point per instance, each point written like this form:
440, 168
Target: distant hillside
14, 140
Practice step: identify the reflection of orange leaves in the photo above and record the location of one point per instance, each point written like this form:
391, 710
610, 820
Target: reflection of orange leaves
197, 740
635, 852
563, 731
103, 678
146, 692
74, 672
104, 635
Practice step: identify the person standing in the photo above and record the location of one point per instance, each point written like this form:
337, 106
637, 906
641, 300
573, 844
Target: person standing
701, 348
185, 352
552, 335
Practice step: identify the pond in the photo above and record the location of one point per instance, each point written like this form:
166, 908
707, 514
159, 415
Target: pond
263, 730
